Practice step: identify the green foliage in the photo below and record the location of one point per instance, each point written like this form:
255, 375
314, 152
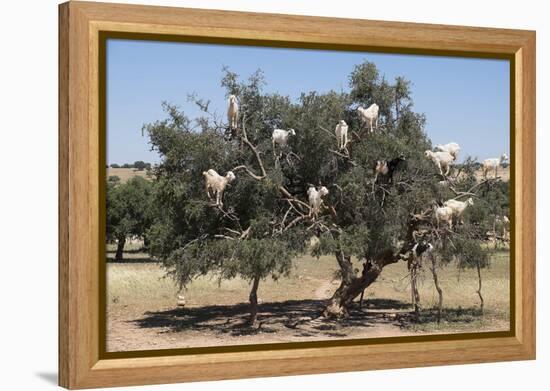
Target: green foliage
128, 208
141, 165
246, 237
469, 253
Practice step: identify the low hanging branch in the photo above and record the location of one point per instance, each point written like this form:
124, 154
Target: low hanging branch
470, 192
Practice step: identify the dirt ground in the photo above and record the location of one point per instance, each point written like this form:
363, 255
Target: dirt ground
142, 311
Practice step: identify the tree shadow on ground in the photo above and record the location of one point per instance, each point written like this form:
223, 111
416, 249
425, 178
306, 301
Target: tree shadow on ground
139, 259
385, 304
141, 250
230, 319
453, 316
450, 315
301, 318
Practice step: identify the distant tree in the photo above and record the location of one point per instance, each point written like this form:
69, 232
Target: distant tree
114, 165
140, 165
127, 211
127, 165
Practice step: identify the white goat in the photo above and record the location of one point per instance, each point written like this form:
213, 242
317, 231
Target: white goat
342, 134
369, 115
442, 160
493, 164
217, 184
458, 207
232, 112
315, 199
503, 223
280, 137
444, 213
452, 148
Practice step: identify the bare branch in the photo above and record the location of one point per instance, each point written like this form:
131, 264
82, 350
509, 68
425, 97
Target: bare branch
244, 138
470, 192
347, 157
219, 236
233, 231
294, 222
328, 131
243, 167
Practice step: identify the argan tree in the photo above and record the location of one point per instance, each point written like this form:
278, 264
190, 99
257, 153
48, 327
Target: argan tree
265, 219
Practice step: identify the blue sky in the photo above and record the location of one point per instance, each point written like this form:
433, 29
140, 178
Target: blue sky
465, 100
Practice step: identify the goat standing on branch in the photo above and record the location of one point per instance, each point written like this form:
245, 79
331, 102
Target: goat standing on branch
503, 225
342, 134
445, 214
459, 207
280, 137
452, 148
232, 113
442, 160
369, 115
315, 199
217, 184
386, 168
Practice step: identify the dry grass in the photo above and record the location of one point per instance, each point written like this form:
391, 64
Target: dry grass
142, 311
503, 173
460, 299
133, 283
126, 174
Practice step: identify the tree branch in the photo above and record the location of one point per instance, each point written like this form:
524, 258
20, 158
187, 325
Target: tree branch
244, 138
469, 192
252, 175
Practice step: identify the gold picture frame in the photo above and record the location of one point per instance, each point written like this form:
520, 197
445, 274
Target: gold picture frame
83, 29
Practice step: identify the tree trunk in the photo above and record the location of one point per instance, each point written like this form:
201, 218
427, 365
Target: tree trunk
439, 290
361, 299
352, 285
415, 295
479, 287
253, 298
120, 248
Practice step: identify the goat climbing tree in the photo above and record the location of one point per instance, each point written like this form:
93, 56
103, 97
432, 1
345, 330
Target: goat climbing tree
265, 221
